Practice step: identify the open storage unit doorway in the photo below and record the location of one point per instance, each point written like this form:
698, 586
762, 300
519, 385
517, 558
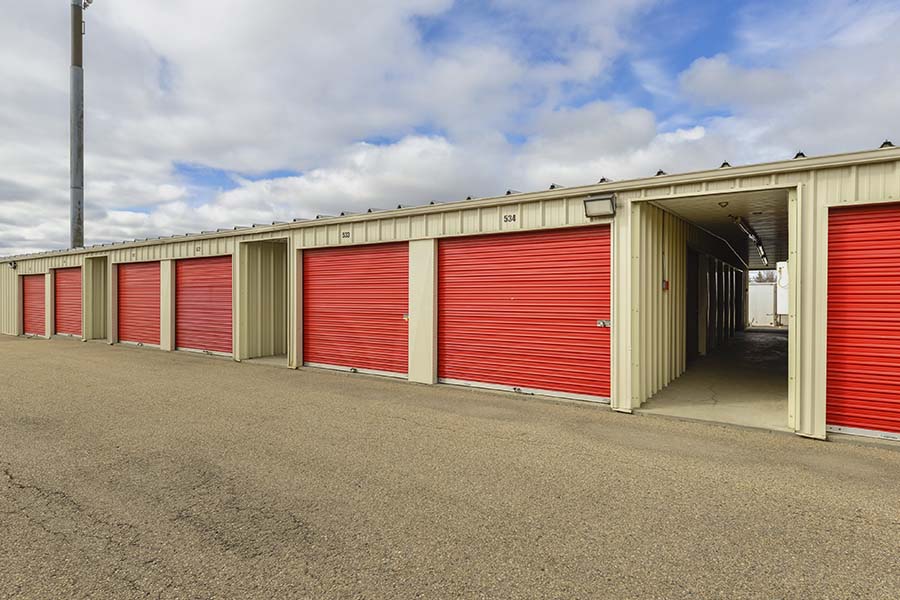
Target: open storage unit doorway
716, 367
263, 301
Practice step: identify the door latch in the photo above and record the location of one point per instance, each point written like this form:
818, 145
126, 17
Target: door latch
406, 316
606, 324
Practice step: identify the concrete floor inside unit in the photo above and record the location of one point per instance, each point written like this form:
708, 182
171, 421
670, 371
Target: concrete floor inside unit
744, 382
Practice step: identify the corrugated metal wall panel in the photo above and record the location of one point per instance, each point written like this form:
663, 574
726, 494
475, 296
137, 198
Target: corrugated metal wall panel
864, 318
96, 298
662, 241
265, 296
34, 305
8, 300
521, 310
67, 301
138, 301
354, 302
203, 304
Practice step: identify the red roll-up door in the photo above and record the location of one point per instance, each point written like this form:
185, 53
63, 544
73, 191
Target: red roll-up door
33, 307
67, 301
863, 384
354, 303
521, 310
203, 318
138, 299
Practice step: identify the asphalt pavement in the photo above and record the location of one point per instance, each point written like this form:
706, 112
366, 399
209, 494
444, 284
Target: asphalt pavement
134, 473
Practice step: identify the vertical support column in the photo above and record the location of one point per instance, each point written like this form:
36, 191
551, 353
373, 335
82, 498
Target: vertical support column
237, 304
423, 311
49, 303
816, 316
112, 303
626, 309
702, 303
20, 304
295, 303
807, 316
240, 284
167, 305
87, 299
729, 282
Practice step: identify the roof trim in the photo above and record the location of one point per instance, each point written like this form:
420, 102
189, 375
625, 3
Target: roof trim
717, 174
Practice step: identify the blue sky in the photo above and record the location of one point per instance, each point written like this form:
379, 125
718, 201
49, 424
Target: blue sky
324, 106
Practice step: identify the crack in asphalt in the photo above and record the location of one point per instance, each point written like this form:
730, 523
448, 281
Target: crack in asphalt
217, 512
57, 504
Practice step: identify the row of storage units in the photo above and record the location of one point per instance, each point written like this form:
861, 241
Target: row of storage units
67, 303
524, 288
203, 303
523, 311
527, 311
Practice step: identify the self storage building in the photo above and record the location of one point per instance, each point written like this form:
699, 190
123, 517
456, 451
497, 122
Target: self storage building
614, 292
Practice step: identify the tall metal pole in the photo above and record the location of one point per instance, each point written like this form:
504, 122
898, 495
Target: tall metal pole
76, 130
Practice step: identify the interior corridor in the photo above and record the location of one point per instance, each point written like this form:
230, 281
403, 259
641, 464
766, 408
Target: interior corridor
743, 382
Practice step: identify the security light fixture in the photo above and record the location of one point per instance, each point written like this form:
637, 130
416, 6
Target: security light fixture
601, 205
799, 155
13, 265
660, 173
604, 180
555, 186
511, 192
887, 144
725, 164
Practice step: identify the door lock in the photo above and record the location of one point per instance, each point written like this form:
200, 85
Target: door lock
604, 323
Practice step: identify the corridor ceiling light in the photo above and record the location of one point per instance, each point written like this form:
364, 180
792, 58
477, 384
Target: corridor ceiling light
762, 254
748, 231
601, 205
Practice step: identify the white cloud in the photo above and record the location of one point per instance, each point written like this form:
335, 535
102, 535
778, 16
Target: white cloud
296, 86
716, 81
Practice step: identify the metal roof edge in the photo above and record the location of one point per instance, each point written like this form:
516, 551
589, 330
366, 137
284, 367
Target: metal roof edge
847, 159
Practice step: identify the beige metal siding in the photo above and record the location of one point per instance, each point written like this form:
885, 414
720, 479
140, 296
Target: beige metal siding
264, 299
662, 240
8, 300
95, 298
